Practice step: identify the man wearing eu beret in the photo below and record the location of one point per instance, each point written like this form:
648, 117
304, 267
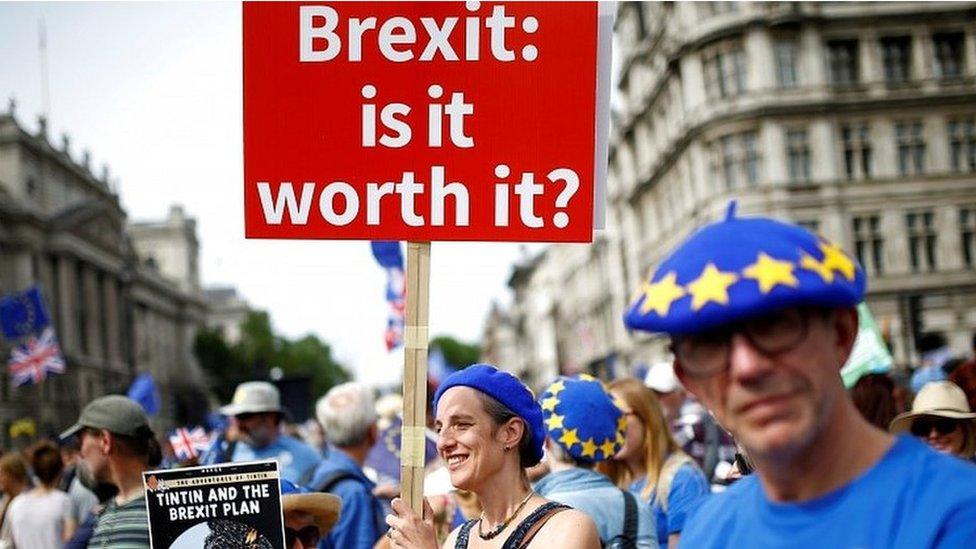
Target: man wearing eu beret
761, 316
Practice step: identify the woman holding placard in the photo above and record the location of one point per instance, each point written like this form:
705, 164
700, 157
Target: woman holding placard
490, 429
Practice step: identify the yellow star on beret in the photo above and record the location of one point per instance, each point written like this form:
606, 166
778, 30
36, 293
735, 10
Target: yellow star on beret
589, 448
557, 388
659, 296
607, 448
569, 438
622, 422
711, 286
811, 264
554, 422
769, 272
549, 404
836, 260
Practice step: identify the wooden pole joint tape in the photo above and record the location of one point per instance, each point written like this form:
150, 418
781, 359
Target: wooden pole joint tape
415, 337
413, 446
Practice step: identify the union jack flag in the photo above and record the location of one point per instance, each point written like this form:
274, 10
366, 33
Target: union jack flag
189, 443
32, 361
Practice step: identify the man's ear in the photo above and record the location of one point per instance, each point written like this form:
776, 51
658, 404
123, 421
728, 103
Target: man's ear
105, 442
845, 323
689, 383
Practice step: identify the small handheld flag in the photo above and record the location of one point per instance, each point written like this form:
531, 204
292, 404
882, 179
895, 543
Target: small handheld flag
35, 359
23, 314
189, 443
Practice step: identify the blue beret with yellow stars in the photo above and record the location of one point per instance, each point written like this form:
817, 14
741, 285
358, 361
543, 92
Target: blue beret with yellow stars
740, 268
582, 418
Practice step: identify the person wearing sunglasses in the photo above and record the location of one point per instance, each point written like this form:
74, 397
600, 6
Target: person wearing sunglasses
309, 516
941, 417
761, 316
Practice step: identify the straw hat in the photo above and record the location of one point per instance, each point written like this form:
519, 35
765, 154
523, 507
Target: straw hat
324, 508
937, 398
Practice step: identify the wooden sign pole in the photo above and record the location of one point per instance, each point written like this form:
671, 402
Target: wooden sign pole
415, 338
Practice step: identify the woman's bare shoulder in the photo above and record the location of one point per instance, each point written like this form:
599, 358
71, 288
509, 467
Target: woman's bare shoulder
570, 529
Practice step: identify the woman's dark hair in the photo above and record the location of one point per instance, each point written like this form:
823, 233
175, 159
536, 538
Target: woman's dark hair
874, 397
500, 414
45, 460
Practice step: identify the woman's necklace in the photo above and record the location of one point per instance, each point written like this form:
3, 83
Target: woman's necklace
500, 527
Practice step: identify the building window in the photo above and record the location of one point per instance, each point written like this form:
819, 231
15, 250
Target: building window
948, 54
80, 314
967, 232
798, 155
842, 62
911, 148
725, 72
736, 159
786, 52
812, 225
868, 244
717, 8
921, 240
962, 145
857, 150
896, 54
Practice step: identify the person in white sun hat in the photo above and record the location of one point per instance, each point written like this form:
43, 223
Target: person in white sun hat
941, 417
255, 433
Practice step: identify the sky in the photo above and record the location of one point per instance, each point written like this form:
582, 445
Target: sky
154, 91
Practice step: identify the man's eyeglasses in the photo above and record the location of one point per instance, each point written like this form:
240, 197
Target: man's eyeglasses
308, 536
922, 426
705, 354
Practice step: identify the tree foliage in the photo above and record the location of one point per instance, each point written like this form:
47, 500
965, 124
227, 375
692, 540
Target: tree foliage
457, 354
258, 351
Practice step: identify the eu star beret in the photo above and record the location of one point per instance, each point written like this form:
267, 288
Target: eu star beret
739, 268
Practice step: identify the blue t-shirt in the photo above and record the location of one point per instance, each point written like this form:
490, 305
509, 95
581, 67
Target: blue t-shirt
688, 489
296, 460
912, 498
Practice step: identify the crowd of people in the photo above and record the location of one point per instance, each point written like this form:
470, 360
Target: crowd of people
777, 452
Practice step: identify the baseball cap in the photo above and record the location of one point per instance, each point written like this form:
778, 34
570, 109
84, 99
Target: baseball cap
114, 413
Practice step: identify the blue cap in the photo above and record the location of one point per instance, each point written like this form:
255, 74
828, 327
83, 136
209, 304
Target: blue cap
581, 417
505, 388
740, 268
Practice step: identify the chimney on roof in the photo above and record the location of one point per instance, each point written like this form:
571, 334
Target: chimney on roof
42, 126
104, 177
86, 160
66, 144
11, 106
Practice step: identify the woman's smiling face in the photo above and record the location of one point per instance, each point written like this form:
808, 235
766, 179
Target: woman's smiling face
467, 440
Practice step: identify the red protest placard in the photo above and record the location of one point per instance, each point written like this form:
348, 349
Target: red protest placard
420, 121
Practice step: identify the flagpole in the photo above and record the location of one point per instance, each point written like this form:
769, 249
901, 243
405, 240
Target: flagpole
412, 439
42, 47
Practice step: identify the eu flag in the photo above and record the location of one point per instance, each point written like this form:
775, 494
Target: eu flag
23, 314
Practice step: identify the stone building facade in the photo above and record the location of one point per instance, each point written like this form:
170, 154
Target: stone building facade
62, 227
856, 119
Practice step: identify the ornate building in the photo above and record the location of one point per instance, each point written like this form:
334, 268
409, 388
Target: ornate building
856, 119
115, 314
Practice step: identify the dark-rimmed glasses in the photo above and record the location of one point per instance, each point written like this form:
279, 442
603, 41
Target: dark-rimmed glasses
707, 353
923, 425
308, 536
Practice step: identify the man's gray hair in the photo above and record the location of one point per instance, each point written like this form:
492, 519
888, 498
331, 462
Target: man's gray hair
346, 413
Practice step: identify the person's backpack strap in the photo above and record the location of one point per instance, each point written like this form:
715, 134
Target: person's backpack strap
666, 478
335, 477
630, 520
